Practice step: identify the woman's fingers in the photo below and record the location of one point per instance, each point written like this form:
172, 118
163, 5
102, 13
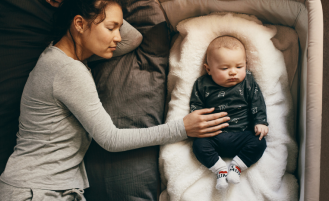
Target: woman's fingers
204, 111
214, 116
209, 134
217, 121
215, 128
201, 124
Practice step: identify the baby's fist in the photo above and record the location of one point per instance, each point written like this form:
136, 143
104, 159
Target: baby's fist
261, 130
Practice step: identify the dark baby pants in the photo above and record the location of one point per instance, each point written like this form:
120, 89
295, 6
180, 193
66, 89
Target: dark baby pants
244, 144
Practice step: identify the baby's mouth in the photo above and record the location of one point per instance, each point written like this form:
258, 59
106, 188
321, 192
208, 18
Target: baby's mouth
233, 79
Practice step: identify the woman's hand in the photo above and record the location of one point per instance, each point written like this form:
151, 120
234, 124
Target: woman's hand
54, 3
198, 124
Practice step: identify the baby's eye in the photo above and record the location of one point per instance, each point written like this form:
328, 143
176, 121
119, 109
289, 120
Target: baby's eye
240, 67
223, 68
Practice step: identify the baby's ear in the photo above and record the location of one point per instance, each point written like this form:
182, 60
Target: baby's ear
207, 68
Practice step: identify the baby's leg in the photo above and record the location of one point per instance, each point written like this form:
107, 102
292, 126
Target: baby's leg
251, 151
205, 151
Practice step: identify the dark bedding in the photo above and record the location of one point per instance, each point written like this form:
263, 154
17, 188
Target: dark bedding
24, 33
131, 88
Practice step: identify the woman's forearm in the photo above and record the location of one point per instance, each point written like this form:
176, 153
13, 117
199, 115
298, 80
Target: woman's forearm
126, 139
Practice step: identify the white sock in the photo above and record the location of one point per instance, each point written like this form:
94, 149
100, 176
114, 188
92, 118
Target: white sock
220, 169
235, 169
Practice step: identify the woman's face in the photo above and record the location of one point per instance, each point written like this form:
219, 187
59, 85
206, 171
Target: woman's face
102, 38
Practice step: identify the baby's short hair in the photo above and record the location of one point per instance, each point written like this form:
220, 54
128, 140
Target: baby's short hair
228, 42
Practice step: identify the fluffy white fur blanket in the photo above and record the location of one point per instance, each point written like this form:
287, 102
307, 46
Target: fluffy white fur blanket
271, 178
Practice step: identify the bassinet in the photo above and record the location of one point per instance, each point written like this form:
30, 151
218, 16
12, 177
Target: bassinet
306, 18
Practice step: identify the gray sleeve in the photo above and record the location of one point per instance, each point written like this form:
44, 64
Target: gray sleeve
131, 39
74, 87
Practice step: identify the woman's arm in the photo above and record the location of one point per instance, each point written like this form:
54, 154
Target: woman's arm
75, 88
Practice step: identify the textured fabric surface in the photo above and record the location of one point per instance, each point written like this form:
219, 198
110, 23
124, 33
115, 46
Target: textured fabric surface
11, 193
132, 90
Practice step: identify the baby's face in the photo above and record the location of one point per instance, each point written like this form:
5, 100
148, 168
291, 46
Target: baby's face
227, 67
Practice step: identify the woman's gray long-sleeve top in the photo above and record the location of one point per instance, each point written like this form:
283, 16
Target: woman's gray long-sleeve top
60, 114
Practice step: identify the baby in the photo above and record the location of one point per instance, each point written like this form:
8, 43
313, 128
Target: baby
228, 86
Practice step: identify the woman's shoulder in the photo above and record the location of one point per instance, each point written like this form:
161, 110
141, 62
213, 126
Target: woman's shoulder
56, 57
54, 61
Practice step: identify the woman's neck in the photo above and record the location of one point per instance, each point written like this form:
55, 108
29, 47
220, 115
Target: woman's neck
71, 49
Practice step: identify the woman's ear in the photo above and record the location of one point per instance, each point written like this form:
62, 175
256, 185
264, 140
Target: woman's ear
207, 68
80, 24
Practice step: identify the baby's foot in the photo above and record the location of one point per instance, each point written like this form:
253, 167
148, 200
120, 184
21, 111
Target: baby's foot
234, 174
221, 180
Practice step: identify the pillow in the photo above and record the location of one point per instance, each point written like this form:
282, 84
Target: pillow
272, 177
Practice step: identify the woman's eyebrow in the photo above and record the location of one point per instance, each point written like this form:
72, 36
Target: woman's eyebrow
114, 22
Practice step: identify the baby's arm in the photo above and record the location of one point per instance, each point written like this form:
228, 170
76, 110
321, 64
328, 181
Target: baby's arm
196, 101
258, 109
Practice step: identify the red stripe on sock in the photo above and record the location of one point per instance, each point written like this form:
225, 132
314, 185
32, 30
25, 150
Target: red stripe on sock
238, 168
222, 172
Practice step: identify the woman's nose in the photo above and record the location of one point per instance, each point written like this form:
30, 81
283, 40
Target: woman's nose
117, 37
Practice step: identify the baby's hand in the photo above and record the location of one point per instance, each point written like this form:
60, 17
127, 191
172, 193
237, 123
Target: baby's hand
262, 130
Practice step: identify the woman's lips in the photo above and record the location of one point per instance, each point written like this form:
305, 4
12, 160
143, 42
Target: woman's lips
112, 48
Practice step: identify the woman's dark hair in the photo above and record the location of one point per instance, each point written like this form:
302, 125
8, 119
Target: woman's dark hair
68, 9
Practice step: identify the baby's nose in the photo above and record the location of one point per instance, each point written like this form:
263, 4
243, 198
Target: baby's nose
232, 71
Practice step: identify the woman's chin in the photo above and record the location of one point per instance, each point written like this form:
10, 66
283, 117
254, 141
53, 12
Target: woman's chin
107, 55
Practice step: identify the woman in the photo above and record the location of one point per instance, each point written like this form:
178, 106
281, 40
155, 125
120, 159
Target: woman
61, 111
